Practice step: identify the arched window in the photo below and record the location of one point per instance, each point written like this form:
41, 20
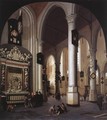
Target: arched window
82, 57
64, 62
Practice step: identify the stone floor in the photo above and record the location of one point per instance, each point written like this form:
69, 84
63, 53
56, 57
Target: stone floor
86, 111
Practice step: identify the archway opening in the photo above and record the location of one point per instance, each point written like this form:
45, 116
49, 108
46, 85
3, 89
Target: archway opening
50, 71
64, 71
82, 63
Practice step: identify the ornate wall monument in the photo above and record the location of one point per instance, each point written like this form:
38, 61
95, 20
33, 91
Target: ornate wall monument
15, 62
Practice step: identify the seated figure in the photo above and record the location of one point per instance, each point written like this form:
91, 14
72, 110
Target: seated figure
52, 110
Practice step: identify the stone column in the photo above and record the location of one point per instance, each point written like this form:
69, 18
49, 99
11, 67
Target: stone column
92, 92
72, 95
26, 79
39, 70
44, 79
3, 78
102, 83
34, 66
57, 80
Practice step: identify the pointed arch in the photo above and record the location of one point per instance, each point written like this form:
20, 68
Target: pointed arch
83, 46
47, 9
100, 53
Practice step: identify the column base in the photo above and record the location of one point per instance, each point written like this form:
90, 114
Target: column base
73, 97
92, 96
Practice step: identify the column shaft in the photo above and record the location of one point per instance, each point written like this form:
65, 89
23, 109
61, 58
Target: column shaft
72, 95
57, 81
92, 93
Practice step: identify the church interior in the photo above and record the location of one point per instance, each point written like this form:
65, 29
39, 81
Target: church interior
57, 48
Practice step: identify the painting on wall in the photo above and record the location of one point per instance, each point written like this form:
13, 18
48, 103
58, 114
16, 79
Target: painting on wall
14, 80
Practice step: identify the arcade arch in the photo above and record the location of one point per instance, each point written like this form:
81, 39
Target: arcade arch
50, 71
83, 56
101, 59
64, 71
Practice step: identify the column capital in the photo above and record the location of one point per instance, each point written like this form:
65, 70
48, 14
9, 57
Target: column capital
71, 18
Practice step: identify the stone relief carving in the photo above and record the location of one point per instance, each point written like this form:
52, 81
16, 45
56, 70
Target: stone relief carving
14, 54
2, 77
14, 83
26, 80
3, 52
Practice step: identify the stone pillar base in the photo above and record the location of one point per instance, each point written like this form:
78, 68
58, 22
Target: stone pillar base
73, 97
92, 96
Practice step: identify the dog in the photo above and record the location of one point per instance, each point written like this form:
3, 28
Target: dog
10, 107
52, 110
